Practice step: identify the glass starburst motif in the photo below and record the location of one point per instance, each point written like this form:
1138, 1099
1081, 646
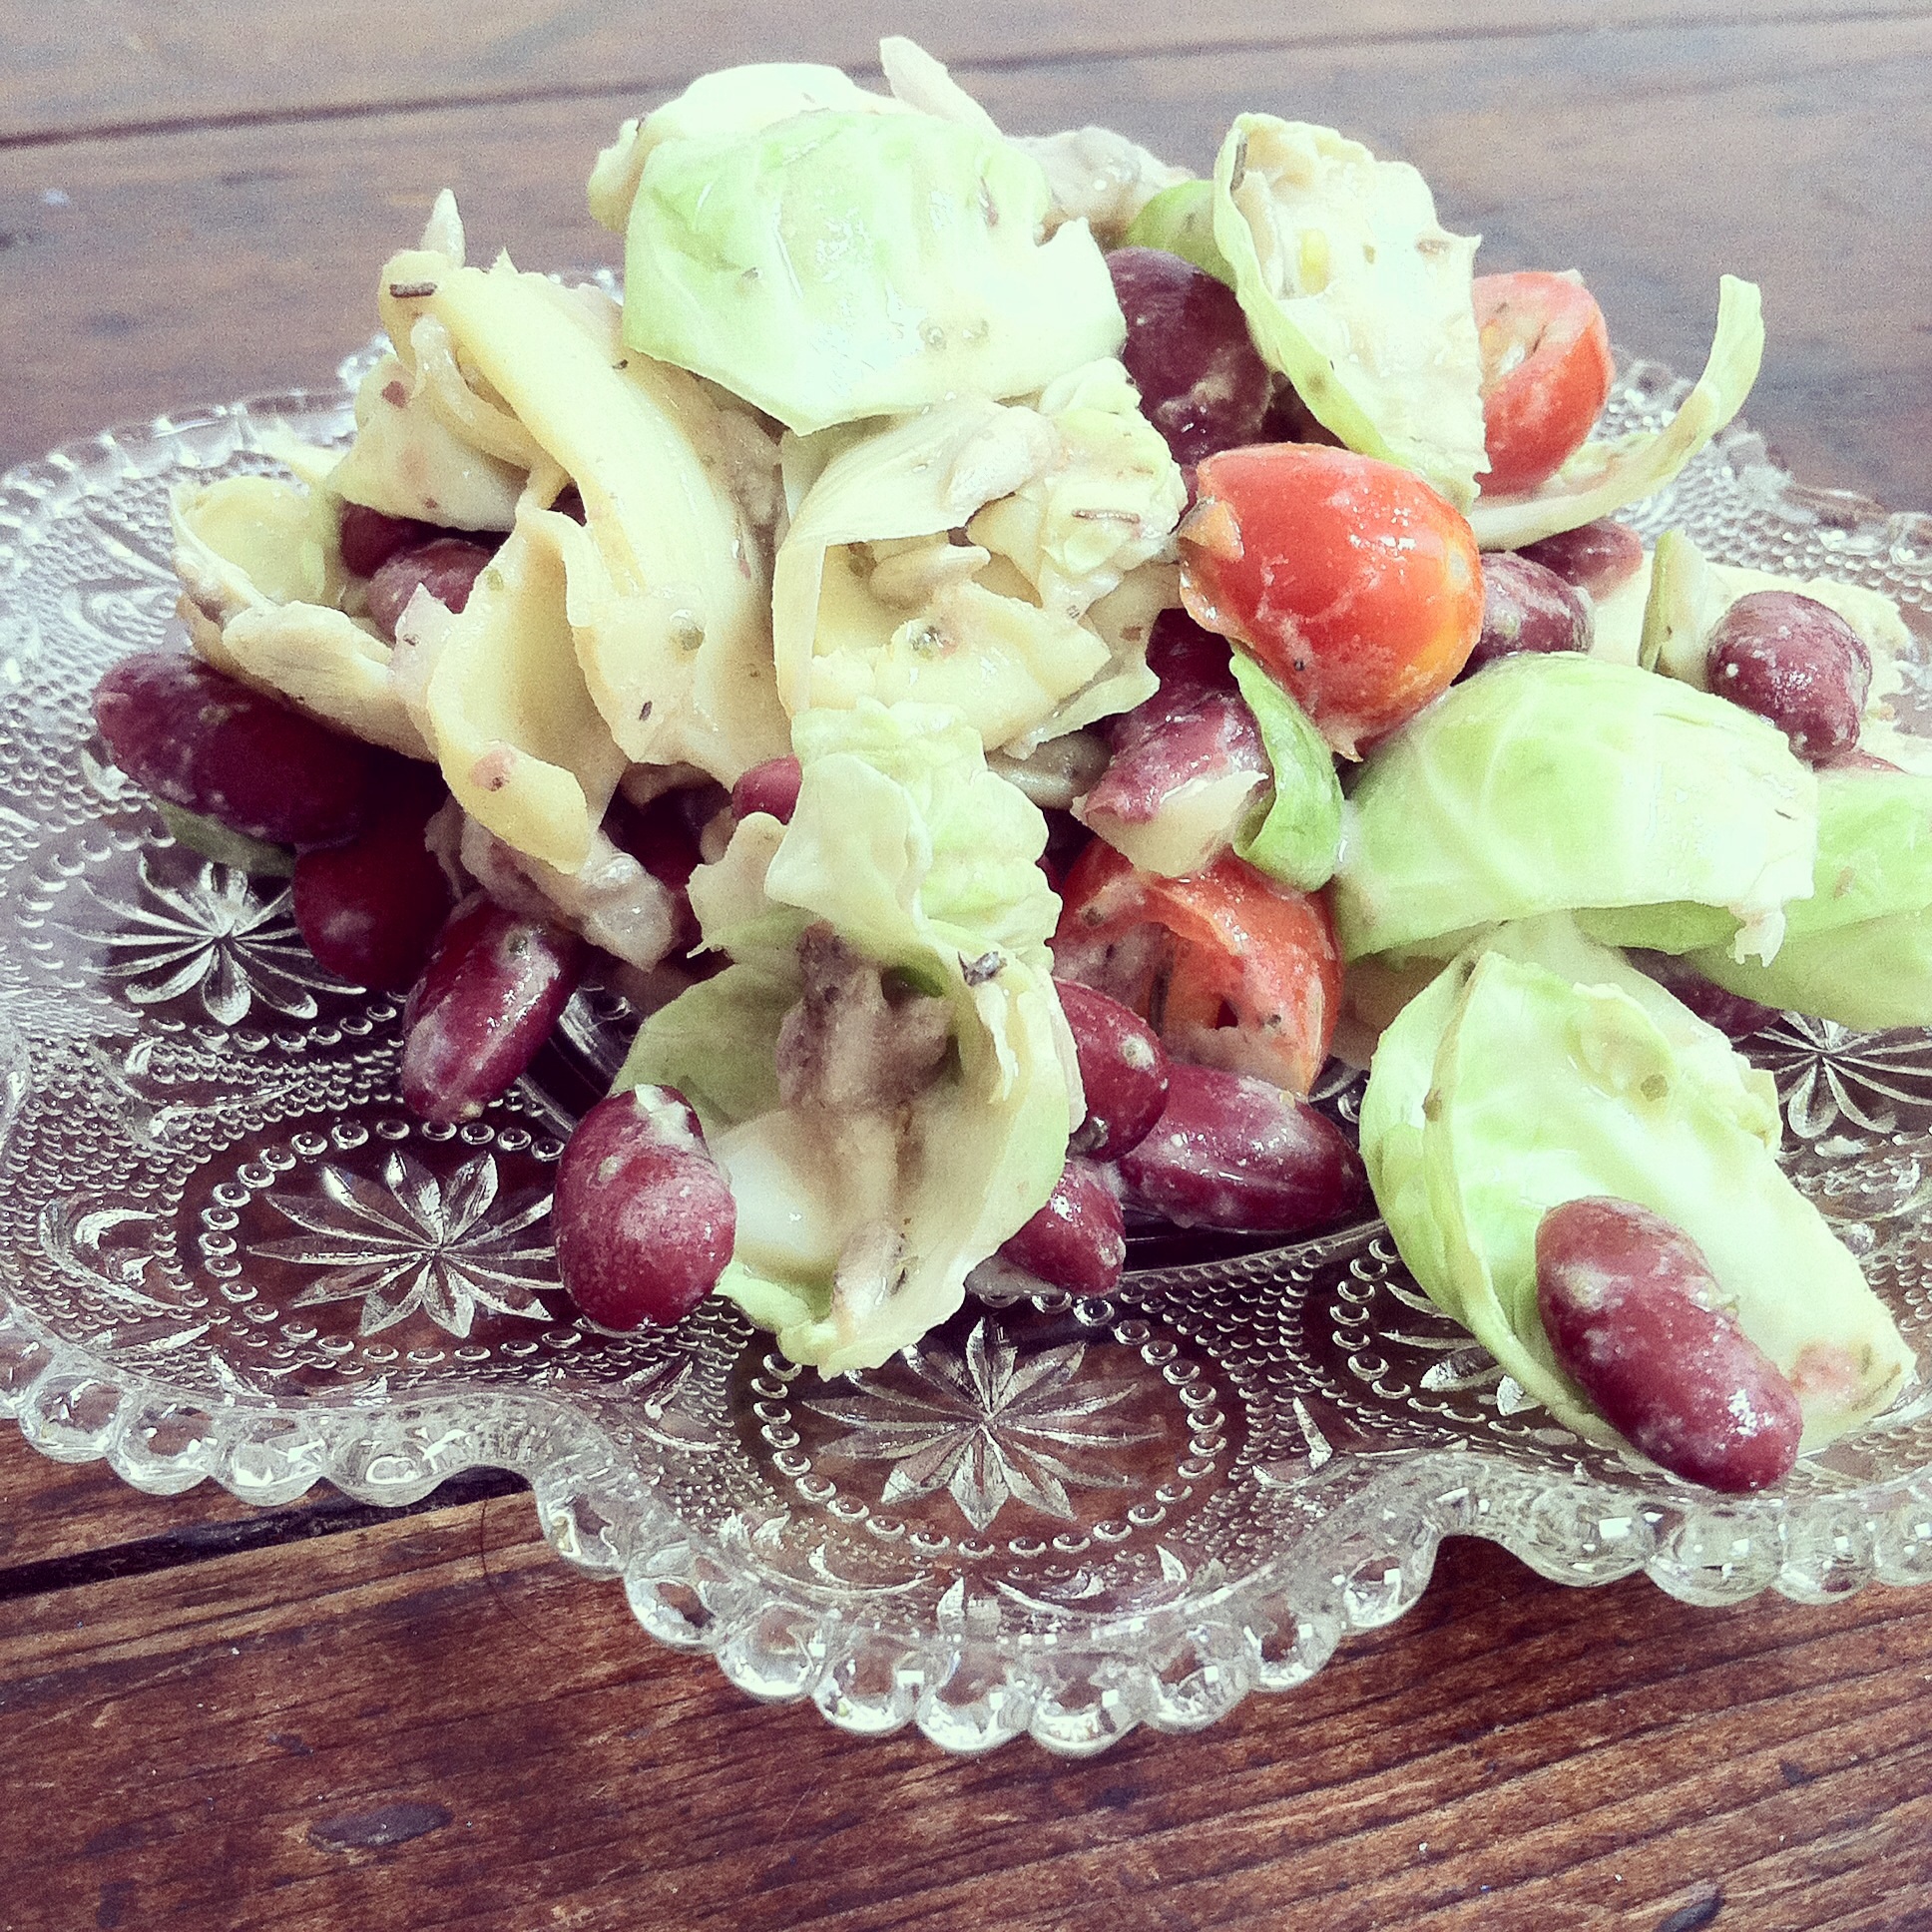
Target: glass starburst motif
1830, 1077
418, 1242
210, 933
987, 1425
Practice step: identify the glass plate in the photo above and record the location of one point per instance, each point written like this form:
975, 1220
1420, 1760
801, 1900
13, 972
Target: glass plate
236, 1257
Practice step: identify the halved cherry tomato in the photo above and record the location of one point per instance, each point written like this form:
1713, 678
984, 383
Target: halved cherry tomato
1545, 374
1230, 969
1353, 583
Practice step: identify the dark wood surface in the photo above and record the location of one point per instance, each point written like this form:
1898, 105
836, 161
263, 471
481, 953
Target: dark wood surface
326, 1717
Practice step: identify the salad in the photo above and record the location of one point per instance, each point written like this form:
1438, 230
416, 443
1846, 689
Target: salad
1008, 654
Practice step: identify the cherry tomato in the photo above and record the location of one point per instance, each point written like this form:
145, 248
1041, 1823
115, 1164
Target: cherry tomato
1230, 969
1354, 584
1545, 374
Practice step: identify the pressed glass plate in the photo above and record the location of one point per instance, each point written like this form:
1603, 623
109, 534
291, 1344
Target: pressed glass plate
235, 1255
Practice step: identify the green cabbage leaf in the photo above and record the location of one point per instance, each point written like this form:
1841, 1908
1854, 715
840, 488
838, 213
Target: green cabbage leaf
856, 1233
1007, 560
1356, 293
1859, 950
1298, 838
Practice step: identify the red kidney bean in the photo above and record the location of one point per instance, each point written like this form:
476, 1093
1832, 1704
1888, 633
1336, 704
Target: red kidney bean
370, 910
1594, 556
1183, 733
771, 787
642, 1215
1123, 1067
1235, 1153
369, 538
492, 991
1291, 420
1791, 659
665, 838
1730, 1013
1077, 1241
199, 738
447, 568
1633, 1313
1526, 608
1202, 384
1859, 760
1181, 650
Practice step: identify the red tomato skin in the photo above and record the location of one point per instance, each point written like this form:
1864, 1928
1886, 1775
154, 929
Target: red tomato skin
1356, 587
1230, 969
1547, 371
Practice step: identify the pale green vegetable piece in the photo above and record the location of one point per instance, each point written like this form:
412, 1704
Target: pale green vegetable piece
1298, 839
666, 576
506, 709
1093, 173
841, 265
1032, 626
1616, 617
260, 570
1392, 1116
1675, 926
1859, 950
1550, 782
1689, 594
856, 1233
1871, 976
407, 461
1356, 293
1507, 1089
735, 102
1604, 477
1181, 220
215, 841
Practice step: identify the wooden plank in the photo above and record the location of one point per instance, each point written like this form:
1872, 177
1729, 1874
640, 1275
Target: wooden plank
52, 1511
65, 1525
146, 273
117, 63
433, 1722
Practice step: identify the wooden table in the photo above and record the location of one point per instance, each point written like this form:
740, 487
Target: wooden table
328, 1717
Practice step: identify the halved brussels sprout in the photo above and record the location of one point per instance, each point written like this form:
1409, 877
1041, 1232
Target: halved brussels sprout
837, 266
913, 871
1356, 293
1511, 1085
1549, 783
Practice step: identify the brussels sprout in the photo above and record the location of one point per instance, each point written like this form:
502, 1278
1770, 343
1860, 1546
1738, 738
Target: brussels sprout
1508, 1088
838, 264
1859, 950
858, 1224
1602, 477
1689, 595
1298, 839
1549, 783
1031, 626
1181, 220
1356, 293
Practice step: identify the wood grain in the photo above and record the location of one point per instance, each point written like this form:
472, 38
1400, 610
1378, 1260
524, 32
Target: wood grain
435, 1711
51, 1511
190, 267
66, 1525
104, 65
